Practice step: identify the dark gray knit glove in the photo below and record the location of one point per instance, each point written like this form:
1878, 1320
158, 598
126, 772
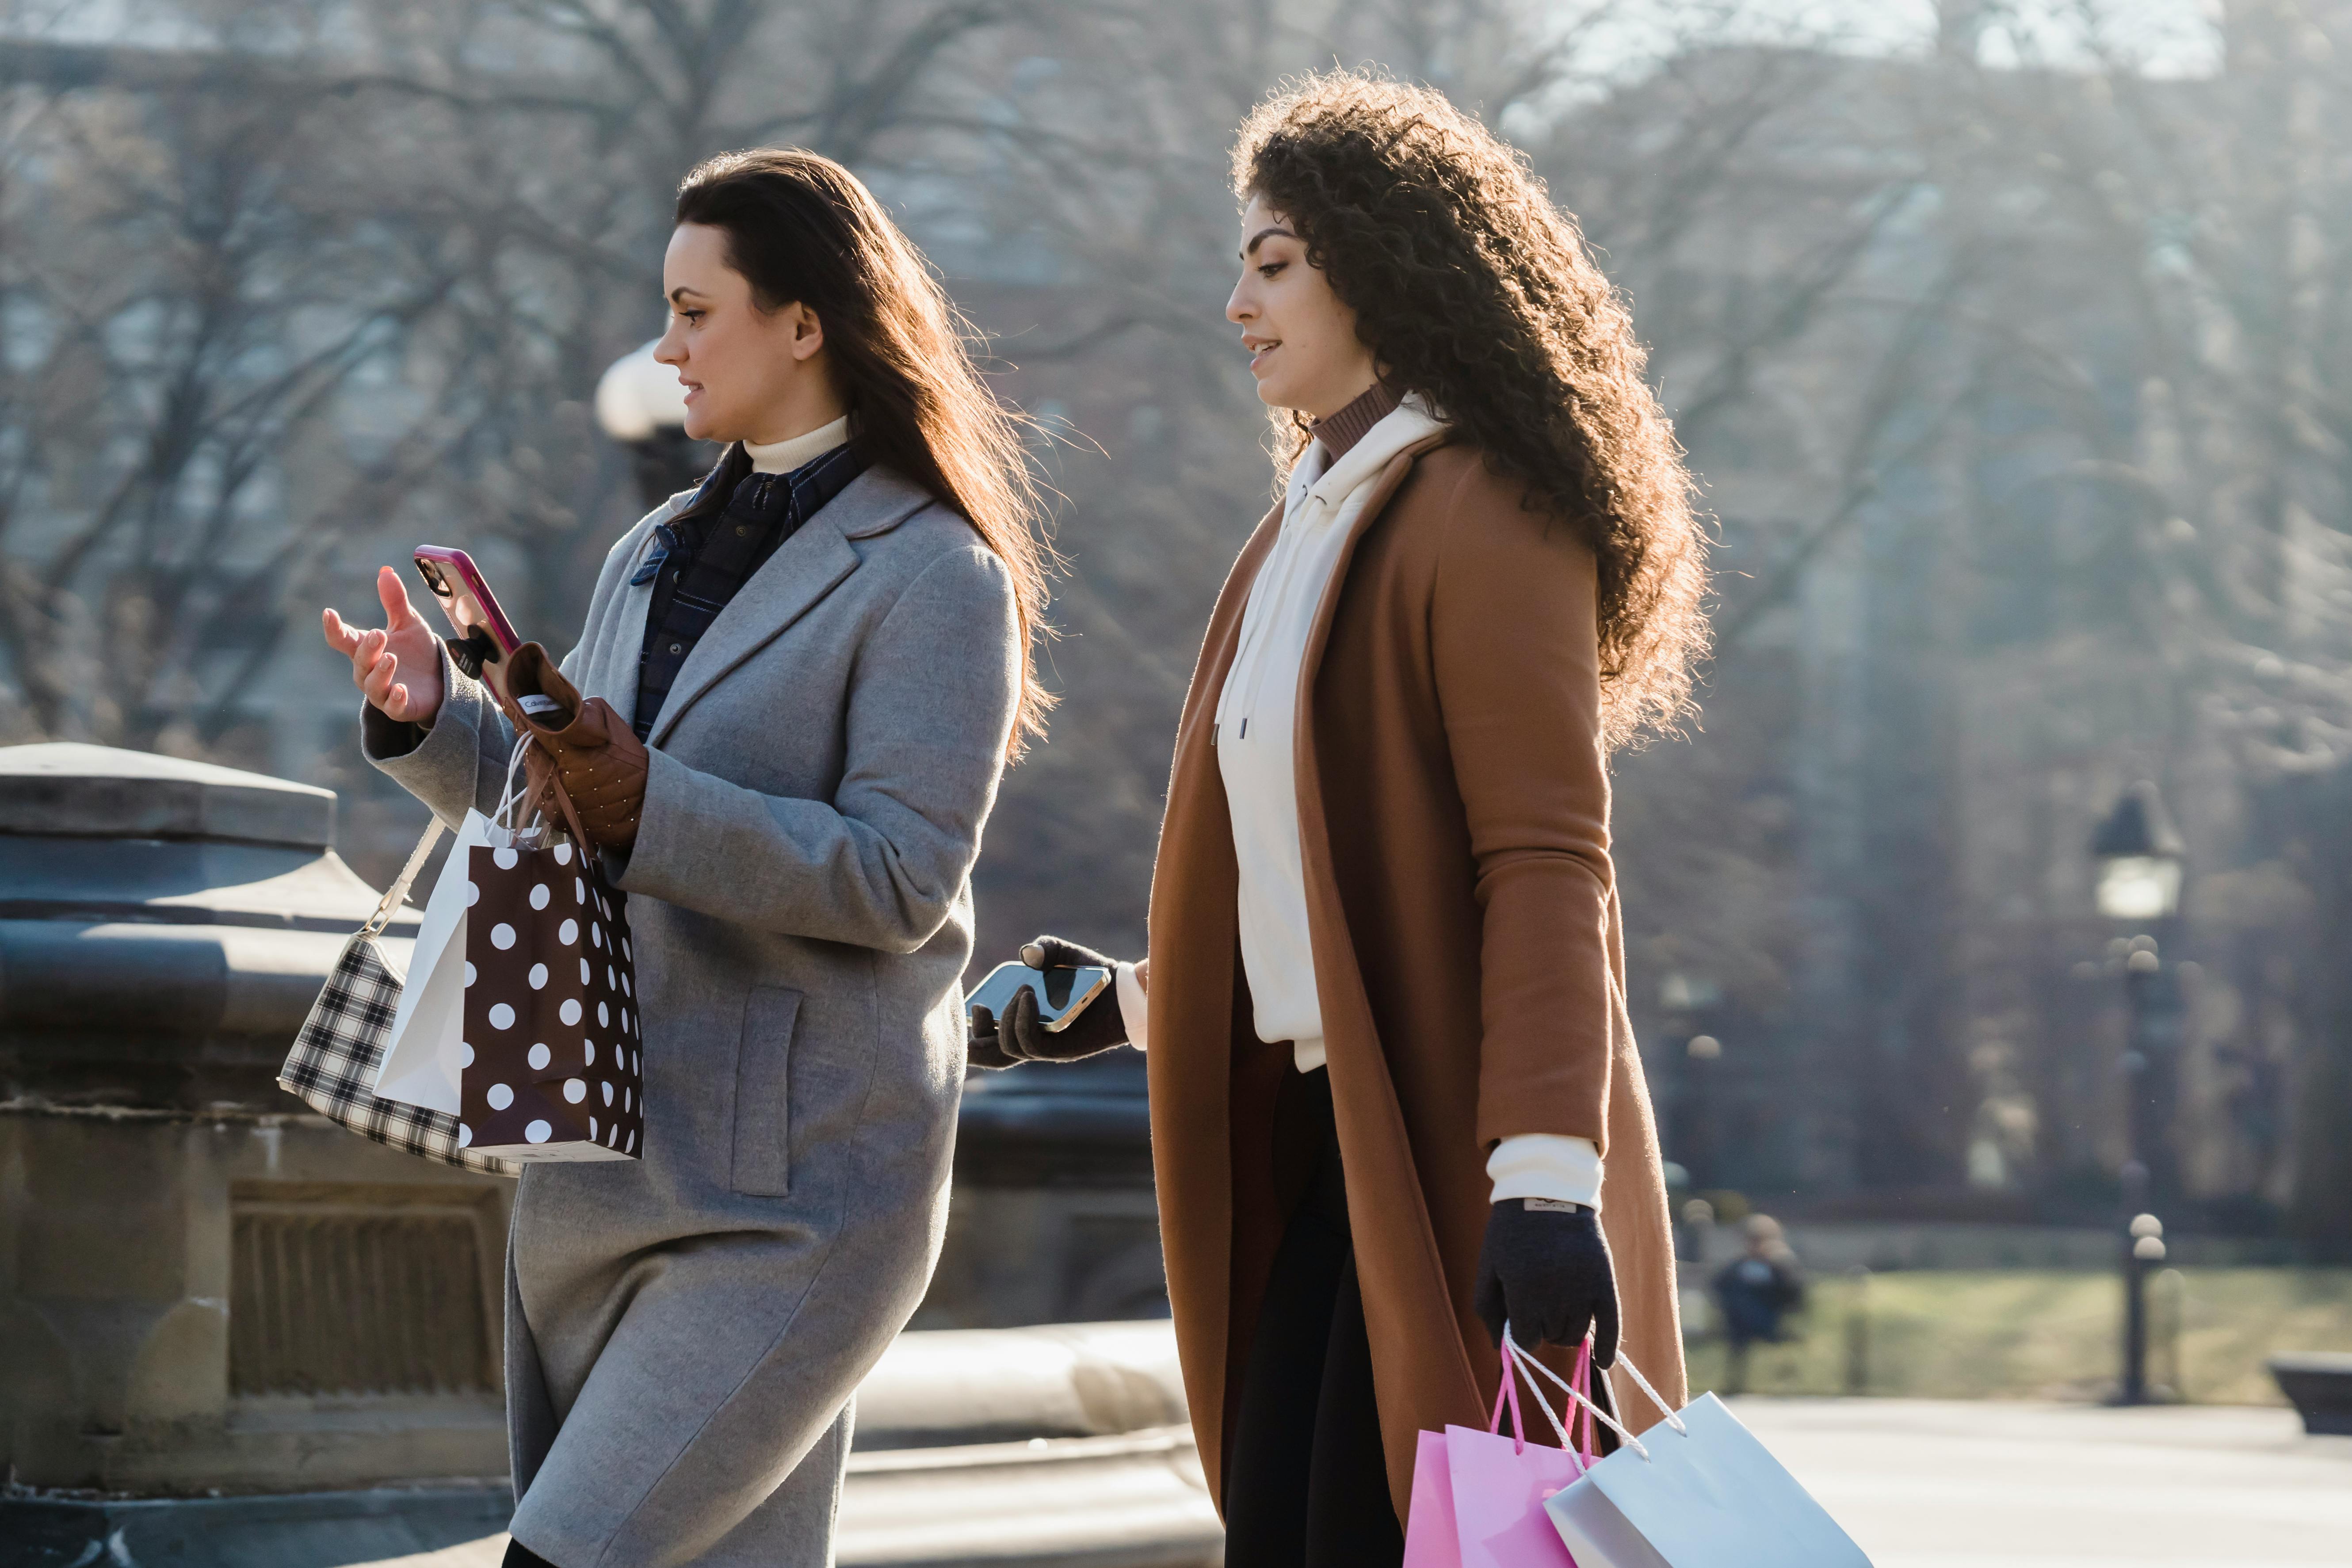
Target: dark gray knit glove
1020, 1036
1547, 1271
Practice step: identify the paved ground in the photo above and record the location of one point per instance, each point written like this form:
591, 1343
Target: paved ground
1938, 1484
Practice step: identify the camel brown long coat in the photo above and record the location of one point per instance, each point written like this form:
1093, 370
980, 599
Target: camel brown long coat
1454, 816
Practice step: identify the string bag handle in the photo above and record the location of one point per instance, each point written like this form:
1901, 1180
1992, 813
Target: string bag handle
1529, 1362
525, 735
1633, 1372
1509, 1388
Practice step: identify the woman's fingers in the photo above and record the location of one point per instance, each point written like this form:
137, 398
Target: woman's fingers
375, 676
398, 612
375, 663
1021, 1028
367, 652
377, 684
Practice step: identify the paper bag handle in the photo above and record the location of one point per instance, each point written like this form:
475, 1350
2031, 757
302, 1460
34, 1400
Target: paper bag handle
397, 893
1626, 1362
525, 736
1509, 1388
1526, 1361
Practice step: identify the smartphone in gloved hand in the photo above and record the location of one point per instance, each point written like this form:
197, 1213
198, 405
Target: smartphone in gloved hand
1062, 994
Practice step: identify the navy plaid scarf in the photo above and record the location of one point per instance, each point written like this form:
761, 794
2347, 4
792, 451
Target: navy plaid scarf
703, 557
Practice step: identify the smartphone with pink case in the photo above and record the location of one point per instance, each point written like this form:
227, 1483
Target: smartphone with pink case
486, 635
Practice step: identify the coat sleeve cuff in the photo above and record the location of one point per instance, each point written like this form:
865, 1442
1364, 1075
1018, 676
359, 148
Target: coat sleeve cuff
1134, 1006
441, 765
1545, 1165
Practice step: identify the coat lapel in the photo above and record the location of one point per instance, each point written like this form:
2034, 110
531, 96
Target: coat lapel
615, 674
618, 634
803, 570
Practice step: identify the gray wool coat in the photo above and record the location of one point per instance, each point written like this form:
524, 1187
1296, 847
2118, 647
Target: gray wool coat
685, 1332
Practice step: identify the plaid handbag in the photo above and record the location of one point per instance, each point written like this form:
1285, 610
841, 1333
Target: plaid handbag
332, 1065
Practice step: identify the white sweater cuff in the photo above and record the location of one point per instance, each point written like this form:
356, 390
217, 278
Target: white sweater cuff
1545, 1165
1132, 1005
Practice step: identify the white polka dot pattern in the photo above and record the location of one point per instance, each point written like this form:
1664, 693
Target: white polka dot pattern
520, 1096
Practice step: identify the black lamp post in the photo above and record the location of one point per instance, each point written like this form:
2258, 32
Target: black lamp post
2138, 853
640, 403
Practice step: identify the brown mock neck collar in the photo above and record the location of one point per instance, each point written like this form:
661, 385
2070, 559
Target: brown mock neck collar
1352, 424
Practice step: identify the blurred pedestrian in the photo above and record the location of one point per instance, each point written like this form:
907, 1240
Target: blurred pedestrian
1392, 1078
1757, 1291
795, 690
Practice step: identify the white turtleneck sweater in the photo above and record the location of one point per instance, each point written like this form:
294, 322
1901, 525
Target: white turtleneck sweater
1256, 715
783, 456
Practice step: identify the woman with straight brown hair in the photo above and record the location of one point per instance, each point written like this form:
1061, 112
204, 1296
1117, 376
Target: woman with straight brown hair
1395, 1097
786, 720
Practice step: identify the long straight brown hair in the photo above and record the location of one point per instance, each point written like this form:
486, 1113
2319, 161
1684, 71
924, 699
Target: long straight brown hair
801, 228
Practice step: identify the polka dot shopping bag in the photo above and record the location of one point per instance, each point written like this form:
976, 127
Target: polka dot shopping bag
551, 1056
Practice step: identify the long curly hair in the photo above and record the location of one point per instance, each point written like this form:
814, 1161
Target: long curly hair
1471, 287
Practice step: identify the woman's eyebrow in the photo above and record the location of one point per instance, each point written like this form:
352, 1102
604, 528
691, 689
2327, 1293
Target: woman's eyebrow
681, 292
1262, 235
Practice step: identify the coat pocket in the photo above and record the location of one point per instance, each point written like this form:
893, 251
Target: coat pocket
762, 1156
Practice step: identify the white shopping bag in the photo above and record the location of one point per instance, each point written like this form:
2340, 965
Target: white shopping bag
1696, 1492
426, 1051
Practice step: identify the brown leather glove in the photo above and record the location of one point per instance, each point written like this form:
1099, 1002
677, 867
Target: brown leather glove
600, 760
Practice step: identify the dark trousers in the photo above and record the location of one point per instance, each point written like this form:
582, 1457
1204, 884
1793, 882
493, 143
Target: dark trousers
1307, 1483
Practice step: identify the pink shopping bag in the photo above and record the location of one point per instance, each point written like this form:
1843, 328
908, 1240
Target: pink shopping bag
1478, 1497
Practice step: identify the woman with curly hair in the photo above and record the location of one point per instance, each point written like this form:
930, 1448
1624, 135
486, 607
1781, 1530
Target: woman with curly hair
1395, 1096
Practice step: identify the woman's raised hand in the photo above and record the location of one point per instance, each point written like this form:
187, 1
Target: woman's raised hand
398, 668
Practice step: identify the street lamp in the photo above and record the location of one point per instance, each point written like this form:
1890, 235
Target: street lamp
640, 403
2138, 852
